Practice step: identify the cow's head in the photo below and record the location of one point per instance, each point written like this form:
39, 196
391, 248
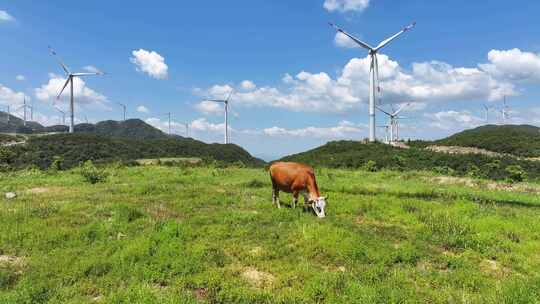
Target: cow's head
319, 206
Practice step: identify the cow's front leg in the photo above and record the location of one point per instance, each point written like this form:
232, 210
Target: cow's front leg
295, 199
275, 197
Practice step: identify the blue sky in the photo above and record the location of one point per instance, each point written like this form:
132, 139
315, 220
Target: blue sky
298, 85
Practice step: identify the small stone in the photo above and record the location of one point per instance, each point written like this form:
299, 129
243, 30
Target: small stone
11, 195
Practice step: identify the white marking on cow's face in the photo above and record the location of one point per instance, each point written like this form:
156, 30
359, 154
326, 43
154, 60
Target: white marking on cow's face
319, 206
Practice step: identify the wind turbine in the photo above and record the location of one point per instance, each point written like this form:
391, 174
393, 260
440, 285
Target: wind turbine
124, 108
226, 102
25, 107
394, 122
187, 128
8, 114
69, 80
504, 111
373, 70
63, 115
169, 115
487, 108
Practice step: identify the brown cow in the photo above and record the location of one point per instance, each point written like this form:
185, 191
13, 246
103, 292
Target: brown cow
296, 178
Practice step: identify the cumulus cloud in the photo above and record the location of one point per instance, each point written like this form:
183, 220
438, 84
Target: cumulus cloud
248, 85
83, 94
163, 125
513, 64
142, 109
151, 63
20, 77
345, 5
451, 120
6, 17
423, 83
209, 107
342, 40
9, 97
91, 69
344, 129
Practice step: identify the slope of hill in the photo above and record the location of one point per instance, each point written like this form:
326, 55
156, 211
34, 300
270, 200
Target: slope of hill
353, 155
519, 140
76, 148
131, 128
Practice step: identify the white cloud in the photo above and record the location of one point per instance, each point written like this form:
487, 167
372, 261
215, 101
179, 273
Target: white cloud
513, 64
248, 85
345, 5
452, 120
20, 77
150, 63
425, 82
142, 109
204, 125
83, 95
344, 129
5, 17
9, 97
210, 107
91, 69
342, 40
163, 125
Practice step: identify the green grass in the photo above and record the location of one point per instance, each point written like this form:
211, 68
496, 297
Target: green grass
158, 234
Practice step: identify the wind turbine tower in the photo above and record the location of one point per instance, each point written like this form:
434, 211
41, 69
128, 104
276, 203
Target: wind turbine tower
169, 115
373, 70
187, 128
226, 102
124, 108
70, 77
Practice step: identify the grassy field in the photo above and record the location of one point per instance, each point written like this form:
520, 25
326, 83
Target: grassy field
159, 234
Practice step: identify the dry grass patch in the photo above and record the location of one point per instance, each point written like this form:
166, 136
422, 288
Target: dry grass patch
256, 278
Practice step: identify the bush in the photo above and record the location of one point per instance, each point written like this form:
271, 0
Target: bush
473, 171
92, 174
57, 163
370, 166
515, 173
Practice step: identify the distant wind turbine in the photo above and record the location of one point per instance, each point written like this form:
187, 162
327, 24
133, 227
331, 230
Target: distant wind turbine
169, 115
8, 114
373, 70
186, 124
69, 80
124, 108
226, 102
63, 115
394, 122
487, 108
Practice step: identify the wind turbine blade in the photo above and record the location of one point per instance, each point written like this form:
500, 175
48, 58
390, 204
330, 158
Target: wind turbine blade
229, 97
215, 100
401, 108
378, 108
64, 67
64, 87
358, 41
87, 74
388, 40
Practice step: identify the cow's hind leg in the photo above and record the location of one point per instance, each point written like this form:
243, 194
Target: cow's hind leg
295, 199
275, 197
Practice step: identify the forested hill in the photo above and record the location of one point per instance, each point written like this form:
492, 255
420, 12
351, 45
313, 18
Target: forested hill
76, 148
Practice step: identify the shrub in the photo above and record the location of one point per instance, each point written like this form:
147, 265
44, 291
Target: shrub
370, 166
515, 173
57, 163
92, 174
473, 171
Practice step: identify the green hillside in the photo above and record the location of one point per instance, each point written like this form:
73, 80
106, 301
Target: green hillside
41, 150
132, 128
354, 155
520, 140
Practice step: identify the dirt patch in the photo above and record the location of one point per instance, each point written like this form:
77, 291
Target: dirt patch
12, 261
462, 150
451, 180
472, 183
201, 294
43, 190
258, 278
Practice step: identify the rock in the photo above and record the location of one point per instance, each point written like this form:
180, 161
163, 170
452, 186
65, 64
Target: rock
11, 195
